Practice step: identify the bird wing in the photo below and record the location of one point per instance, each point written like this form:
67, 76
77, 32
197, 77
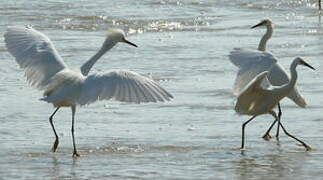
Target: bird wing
250, 64
122, 86
253, 93
35, 53
259, 82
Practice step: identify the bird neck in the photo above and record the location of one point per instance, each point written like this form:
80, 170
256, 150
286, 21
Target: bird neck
291, 84
265, 38
87, 66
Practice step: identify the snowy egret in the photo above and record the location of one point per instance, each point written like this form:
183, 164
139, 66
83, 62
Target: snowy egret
260, 97
45, 70
270, 28
253, 62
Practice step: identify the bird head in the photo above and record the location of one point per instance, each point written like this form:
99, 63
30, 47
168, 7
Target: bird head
300, 61
265, 22
114, 36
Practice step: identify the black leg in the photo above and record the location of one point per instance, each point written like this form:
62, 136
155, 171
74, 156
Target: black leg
75, 154
308, 148
56, 136
320, 5
243, 127
279, 119
267, 135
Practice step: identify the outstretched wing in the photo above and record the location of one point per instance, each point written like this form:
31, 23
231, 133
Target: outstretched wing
252, 93
250, 64
122, 86
35, 53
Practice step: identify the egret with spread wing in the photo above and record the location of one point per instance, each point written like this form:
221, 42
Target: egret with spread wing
260, 97
253, 62
45, 70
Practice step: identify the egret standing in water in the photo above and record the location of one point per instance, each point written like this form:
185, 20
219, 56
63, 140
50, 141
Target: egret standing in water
63, 87
253, 62
260, 97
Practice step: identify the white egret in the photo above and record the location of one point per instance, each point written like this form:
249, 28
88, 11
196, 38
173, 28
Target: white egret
253, 62
63, 87
260, 97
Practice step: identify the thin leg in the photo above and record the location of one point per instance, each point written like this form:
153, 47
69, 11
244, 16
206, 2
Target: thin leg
56, 136
279, 119
320, 5
243, 127
75, 154
308, 148
267, 135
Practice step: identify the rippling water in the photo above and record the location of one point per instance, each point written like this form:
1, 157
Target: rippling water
184, 45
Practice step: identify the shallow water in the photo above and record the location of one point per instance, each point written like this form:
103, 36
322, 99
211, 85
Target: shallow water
184, 45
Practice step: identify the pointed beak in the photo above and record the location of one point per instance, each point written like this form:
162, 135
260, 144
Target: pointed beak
257, 25
130, 43
305, 64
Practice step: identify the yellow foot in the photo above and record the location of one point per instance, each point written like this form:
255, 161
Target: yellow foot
307, 148
242, 149
75, 155
267, 137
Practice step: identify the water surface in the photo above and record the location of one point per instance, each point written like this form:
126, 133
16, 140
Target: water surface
183, 45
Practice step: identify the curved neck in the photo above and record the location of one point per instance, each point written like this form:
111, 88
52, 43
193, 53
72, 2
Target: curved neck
265, 38
87, 66
290, 85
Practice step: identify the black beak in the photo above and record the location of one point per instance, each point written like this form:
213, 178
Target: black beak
305, 64
130, 43
257, 25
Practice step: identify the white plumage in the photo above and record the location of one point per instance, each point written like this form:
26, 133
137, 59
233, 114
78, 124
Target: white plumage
260, 97
255, 96
122, 86
45, 69
253, 62
35, 53
250, 64
119, 85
